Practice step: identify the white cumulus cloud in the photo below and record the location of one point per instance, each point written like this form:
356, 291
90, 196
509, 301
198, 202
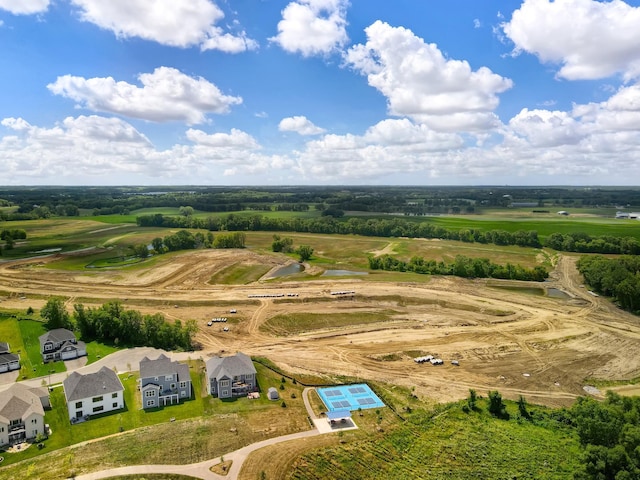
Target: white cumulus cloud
421, 83
589, 39
299, 124
389, 147
100, 150
237, 139
313, 27
24, 7
177, 23
165, 95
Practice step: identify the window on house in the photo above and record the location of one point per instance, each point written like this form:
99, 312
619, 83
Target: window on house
99, 408
115, 405
78, 404
1, 429
150, 403
173, 386
168, 378
183, 384
35, 432
225, 393
114, 395
183, 393
97, 399
150, 393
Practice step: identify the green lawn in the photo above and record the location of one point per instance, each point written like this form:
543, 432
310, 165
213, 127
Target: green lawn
10, 333
97, 350
30, 330
22, 335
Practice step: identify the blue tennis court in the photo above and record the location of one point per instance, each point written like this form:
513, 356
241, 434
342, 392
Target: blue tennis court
349, 397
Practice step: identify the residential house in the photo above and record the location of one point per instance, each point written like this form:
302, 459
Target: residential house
61, 344
163, 382
93, 393
22, 413
8, 361
229, 377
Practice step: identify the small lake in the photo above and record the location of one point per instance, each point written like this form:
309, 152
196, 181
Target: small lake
341, 273
287, 270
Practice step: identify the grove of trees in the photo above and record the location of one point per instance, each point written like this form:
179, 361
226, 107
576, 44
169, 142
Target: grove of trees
114, 324
614, 277
609, 431
461, 267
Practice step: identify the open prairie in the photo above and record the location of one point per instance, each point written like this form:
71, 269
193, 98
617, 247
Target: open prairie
543, 341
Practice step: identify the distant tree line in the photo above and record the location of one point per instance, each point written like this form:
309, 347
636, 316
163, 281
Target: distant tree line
584, 243
461, 267
409, 200
114, 324
614, 277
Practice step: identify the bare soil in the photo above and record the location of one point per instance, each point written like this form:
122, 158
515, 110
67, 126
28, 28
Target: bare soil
541, 347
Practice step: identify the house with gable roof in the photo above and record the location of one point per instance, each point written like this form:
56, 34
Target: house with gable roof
61, 344
22, 413
93, 393
8, 361
229, 377
163, 382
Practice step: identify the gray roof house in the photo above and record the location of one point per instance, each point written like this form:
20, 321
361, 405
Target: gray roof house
61, 344
163, 382
93, 393
8, 361
229, 377
22, 413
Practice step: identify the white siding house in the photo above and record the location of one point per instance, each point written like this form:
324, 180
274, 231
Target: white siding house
93, 393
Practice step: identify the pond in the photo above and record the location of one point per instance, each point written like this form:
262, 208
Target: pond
555, 293
339, 273
290, 269
539, 292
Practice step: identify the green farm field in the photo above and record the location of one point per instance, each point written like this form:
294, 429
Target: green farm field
545, 225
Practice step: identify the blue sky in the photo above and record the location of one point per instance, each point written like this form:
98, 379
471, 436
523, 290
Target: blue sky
281, 92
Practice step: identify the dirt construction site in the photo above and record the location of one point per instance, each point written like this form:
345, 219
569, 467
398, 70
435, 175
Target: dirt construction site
544, 347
